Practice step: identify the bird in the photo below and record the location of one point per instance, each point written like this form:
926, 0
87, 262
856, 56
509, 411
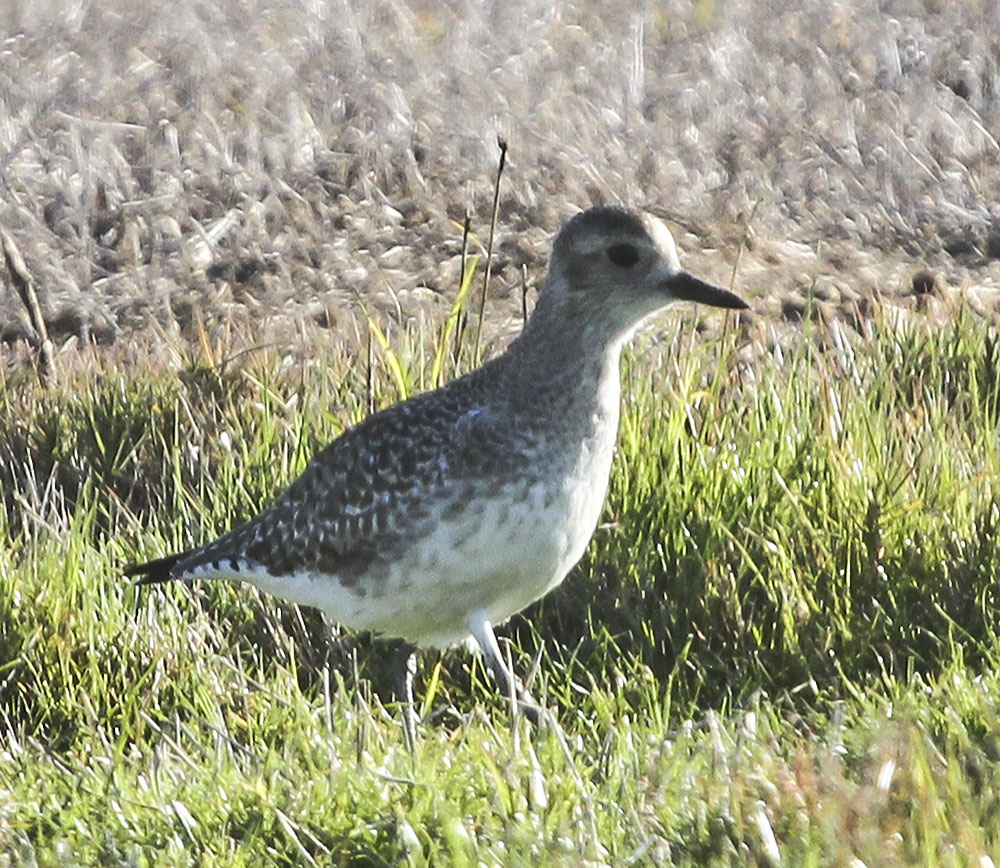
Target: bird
439, 517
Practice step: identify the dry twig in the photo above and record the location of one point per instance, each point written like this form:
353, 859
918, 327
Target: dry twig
20, 277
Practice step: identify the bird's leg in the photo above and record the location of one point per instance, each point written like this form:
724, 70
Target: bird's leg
407, 671
509, 686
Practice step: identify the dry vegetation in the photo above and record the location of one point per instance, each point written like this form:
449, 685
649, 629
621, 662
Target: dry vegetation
261, 163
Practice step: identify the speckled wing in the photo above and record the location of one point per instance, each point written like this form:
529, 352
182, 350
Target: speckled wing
362, 499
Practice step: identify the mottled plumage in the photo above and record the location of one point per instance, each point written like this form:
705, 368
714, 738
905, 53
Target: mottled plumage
451, 511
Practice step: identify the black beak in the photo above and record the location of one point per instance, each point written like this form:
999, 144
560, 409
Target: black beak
687, 287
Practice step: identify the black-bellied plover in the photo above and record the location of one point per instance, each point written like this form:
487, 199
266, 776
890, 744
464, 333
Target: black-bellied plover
443, 515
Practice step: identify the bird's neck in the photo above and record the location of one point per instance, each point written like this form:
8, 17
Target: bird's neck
568, 367
562, 326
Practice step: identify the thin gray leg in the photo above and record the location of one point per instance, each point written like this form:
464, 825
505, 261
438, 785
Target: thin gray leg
482, 632
408, 669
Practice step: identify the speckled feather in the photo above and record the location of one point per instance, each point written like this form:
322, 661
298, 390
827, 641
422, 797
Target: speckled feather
370, 492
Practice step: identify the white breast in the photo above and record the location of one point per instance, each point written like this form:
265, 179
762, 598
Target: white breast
507, 551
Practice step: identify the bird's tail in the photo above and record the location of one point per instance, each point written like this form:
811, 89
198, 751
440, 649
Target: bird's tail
154, 572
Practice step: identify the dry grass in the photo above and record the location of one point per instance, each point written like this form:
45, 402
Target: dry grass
242, 162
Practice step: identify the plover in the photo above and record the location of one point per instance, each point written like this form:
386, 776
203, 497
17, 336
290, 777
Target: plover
445, 514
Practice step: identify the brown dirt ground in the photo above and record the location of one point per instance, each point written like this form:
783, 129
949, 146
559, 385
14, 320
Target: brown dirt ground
259, 166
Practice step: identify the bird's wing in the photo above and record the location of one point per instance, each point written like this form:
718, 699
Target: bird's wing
370, 490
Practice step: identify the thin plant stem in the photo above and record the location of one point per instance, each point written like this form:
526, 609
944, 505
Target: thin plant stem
489, 250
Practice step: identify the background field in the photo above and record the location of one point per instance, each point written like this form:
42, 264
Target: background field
781, 648
262, 162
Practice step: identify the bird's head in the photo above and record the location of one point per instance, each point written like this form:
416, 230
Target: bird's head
615, 268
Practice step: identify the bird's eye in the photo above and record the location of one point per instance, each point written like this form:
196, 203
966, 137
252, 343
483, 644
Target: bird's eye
623, 255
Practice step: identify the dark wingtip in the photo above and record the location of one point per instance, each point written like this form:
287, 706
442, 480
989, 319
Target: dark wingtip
153, 572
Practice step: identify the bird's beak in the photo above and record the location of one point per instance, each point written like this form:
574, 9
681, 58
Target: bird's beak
687, 287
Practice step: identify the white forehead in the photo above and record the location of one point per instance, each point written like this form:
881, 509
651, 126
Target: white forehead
662, 239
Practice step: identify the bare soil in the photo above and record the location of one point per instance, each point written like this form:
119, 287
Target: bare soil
260, 166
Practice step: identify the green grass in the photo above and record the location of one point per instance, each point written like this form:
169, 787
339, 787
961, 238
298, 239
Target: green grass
781, 647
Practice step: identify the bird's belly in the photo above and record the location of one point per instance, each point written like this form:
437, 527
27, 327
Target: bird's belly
495, 553
501, 556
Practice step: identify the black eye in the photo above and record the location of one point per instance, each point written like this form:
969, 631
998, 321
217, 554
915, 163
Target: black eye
623, 255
